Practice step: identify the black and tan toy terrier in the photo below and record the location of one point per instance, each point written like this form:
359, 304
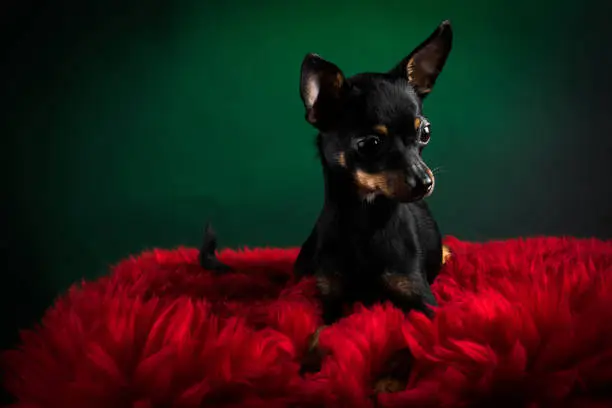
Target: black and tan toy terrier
375, 238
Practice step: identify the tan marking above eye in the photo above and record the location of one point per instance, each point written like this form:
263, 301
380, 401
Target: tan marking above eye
417, 123
339, 81
381, 129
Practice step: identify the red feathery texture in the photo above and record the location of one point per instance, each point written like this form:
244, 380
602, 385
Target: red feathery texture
521, 323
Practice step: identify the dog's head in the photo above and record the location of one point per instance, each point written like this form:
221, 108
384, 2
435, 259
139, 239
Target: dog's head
371, 125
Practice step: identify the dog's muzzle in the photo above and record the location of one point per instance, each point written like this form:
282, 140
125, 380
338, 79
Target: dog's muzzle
420, 181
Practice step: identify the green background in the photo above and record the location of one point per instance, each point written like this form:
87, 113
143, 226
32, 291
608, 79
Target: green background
131, 125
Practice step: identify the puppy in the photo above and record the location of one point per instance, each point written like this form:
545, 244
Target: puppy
375, 238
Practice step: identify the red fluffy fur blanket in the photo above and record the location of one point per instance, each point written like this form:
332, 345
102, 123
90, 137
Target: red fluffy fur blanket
520, 323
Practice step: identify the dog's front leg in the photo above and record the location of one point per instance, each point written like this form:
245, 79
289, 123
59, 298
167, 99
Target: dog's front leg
409, 291
330, 290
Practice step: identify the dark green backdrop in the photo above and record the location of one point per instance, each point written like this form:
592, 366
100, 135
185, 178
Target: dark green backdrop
129, 126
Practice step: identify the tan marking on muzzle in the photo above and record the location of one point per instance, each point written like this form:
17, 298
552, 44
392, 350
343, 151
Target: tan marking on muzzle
339, 81
389, 183
341, 159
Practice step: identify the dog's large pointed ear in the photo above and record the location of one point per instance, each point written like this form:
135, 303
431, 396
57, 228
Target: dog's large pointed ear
321, 87
422, 67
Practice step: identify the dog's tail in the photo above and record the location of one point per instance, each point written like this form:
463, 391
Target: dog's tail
208, 257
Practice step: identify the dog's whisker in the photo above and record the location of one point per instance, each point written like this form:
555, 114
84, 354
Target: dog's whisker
438, 170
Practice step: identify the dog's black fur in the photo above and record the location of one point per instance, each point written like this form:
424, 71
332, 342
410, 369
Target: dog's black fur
375, 238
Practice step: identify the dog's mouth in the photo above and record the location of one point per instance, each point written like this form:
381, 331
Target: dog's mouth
410, 198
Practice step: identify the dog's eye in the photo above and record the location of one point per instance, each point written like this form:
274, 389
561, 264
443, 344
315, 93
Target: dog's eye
369, 146
424, 133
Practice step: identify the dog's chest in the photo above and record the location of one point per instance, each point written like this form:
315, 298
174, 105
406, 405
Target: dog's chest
352, 261
367, 253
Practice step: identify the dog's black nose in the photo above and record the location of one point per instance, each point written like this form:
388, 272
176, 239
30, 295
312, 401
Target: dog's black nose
421, 186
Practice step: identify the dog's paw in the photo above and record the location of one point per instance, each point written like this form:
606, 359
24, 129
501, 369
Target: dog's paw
389, 384
313, 358
395, 373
